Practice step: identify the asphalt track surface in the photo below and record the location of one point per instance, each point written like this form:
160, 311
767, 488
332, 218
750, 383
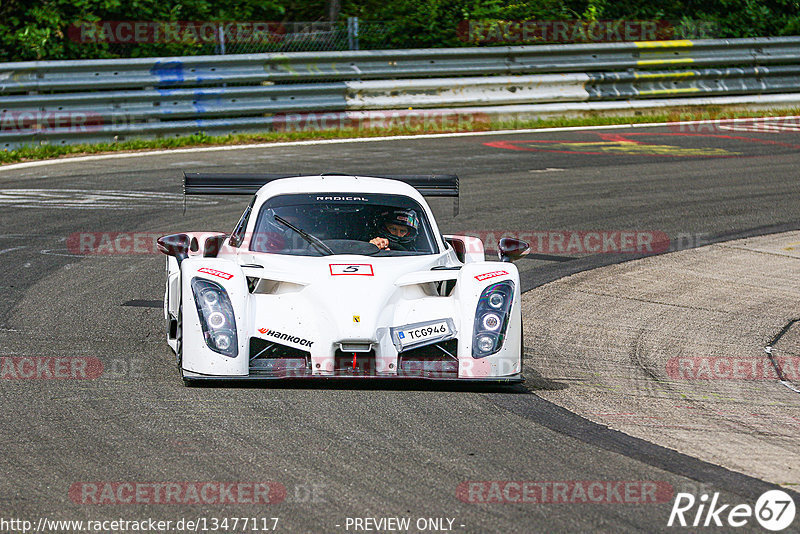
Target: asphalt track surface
344, 450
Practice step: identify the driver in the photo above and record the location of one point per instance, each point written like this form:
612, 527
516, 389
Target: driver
397, 230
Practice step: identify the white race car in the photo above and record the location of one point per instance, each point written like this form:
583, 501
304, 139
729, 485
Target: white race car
340, 276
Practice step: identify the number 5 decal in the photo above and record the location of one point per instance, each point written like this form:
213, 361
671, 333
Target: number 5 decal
357, 269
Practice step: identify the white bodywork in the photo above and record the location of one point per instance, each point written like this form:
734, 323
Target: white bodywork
314, 305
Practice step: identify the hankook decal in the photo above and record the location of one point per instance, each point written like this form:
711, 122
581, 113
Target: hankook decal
285, 337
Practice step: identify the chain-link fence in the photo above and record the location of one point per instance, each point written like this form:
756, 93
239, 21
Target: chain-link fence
214, 38
313, 36
133, 39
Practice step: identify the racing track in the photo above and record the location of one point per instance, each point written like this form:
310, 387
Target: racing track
367, 450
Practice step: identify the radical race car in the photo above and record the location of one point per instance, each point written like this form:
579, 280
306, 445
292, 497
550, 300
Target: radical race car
339, 276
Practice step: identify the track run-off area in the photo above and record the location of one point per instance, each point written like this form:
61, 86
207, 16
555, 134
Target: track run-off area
661, 352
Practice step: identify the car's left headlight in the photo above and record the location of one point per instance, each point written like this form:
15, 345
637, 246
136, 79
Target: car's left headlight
491, 318
216, 317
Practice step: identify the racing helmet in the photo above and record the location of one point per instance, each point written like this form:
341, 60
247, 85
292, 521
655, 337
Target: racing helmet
404, 217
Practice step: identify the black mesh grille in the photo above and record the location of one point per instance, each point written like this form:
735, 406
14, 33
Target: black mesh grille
275, 359
354, 363
271, 349
430, 360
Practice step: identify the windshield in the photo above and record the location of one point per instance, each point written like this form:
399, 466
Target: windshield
347, 223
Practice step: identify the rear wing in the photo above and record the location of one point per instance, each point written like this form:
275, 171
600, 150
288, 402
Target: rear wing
202, 183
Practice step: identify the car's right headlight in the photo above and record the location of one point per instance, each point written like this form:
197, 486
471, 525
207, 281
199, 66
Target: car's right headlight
491, 318
216, 317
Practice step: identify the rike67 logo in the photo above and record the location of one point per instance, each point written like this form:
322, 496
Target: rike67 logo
774, 510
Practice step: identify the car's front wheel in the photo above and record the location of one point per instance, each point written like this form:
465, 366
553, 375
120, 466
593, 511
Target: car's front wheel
179, 340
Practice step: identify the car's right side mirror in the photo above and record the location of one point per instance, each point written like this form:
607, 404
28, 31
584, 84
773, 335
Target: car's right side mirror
175, 245
510, 249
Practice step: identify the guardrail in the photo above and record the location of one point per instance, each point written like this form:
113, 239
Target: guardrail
109, 100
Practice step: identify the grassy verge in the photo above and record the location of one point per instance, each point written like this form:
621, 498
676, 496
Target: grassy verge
39, 152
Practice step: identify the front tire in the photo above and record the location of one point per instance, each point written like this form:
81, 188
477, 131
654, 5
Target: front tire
179, 340
179, 349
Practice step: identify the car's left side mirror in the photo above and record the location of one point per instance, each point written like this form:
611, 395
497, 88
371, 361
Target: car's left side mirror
510, 249
175, 245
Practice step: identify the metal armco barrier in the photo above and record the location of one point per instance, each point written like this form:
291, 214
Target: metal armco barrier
61, 102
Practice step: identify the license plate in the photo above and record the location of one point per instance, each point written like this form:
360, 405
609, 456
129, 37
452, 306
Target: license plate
409, 336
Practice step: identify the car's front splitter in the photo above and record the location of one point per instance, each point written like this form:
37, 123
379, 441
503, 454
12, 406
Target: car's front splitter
303, 375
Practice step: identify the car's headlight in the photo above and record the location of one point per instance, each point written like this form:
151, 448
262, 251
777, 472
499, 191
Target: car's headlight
216, 317
491, 318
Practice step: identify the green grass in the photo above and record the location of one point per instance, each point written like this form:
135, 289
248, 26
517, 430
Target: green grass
40, 152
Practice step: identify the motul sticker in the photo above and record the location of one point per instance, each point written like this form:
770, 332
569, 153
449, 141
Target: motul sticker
214, 272
486, 276
358, 269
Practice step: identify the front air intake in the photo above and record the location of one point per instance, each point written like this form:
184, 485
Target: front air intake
437, 360
354, 363
269, 357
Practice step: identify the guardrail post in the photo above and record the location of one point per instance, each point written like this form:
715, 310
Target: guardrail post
352, 33
222, 39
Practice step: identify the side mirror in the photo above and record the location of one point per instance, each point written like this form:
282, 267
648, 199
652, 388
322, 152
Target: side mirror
510, 249
175, 245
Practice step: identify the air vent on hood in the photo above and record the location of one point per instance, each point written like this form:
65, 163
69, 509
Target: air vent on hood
264, 286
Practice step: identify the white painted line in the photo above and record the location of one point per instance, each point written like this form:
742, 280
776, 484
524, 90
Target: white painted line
548, 169
761, 126
188, 163
58, 252
89, 199
11, 249
790, 386
197, 150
